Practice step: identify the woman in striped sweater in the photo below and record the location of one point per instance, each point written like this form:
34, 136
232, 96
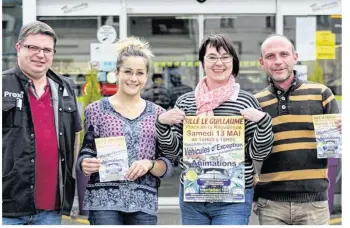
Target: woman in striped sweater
217, 94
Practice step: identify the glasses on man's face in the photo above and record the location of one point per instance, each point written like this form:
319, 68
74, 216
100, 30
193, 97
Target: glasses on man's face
35, 49
214, 59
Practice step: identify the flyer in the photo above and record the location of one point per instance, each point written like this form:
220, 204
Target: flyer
112, 152
328, 137
213, 154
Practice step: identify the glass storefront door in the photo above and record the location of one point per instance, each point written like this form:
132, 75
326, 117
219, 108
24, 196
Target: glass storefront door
175, 42
247, 34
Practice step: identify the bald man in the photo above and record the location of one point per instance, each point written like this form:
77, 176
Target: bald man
292, 187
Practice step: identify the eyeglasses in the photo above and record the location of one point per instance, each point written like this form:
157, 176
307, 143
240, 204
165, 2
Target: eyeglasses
130, 73
35, 49
214, 59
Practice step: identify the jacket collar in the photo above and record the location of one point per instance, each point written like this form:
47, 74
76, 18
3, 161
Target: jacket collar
50, 74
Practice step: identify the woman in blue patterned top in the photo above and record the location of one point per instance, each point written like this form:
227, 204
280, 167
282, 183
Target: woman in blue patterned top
133, 201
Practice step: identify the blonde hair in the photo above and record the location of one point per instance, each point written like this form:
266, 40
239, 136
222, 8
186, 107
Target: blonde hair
134, 46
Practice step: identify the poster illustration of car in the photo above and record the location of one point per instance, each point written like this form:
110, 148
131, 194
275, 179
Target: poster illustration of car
328, 137
213, 154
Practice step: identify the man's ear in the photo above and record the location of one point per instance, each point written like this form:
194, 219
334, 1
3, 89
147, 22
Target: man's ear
18, 47
296, 57
261, 61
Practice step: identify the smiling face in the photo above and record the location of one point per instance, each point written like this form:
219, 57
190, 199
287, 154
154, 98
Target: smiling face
278, 58
35, 63
217, 65
132, 75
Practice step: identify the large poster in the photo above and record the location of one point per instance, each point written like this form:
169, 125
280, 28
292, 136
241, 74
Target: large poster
213, 151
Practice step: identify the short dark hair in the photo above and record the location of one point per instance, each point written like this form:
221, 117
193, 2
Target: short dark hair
155, 76
218, 41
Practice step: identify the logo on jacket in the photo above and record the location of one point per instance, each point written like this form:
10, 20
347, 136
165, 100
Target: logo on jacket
14, 95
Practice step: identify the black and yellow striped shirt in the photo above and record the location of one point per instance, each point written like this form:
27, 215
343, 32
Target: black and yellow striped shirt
293, 172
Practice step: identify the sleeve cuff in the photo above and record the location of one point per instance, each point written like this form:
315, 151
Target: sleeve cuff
169, 167
264, 120
79, 160
163, 128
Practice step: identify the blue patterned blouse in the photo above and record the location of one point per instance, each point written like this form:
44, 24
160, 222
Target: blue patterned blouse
101, 120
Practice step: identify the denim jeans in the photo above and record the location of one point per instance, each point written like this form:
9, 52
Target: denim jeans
42, 218
121, 218
290, 213
193, 213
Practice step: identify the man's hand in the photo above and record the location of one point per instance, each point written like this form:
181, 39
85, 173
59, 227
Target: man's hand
90, 165
138, 169
255, 207
252, 114
173, 116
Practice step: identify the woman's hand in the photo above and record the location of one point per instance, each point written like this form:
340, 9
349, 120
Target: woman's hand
173, 116
252, 114
340, 125
90, 165
138, 169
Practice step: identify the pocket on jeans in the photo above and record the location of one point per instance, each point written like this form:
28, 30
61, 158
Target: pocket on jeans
262, 202
320, 204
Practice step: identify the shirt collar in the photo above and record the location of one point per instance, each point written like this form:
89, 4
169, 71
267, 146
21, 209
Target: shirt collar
295, 84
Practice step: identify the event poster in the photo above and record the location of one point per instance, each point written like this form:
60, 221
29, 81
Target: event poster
112, 152
213, 154
328, 137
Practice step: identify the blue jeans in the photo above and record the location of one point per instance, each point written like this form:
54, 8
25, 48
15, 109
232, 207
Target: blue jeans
216, 213
121, 218
42, 218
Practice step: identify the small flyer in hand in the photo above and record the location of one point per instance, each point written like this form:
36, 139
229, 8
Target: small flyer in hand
328, 137
112, 152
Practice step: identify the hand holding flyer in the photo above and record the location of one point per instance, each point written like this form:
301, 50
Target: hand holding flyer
328, 136
113, 154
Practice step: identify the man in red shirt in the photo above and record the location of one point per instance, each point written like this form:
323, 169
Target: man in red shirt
41, 128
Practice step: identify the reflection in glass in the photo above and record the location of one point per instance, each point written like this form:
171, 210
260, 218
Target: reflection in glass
174, 41
75, 34
11, 24
327, 72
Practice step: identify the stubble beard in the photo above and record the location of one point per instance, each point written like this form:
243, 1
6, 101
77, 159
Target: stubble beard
281, 80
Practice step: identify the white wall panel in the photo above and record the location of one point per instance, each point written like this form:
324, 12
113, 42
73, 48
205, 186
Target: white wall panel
194, 7
310, 7
78, 7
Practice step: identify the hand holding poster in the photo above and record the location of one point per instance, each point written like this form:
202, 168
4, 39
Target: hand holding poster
213, 152
113, 154
328, 137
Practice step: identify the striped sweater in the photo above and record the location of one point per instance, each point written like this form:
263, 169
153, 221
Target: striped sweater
292, 172
258, 136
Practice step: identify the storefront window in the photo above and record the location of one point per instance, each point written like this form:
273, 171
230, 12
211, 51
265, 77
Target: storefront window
11, 25
247, 34
174, 41
75, 34
325, 71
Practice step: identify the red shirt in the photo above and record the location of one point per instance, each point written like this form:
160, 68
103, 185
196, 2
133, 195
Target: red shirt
46, 163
